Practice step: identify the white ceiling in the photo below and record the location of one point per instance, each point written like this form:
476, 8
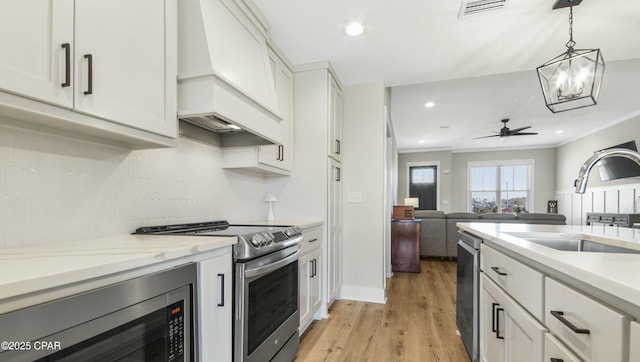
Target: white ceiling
477, 70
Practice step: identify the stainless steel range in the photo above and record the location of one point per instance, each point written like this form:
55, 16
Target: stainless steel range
266, 306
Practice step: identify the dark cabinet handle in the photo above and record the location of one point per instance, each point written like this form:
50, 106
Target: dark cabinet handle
338, 147
221, 276
67, 65
559, 315
89, 59
556, 359
493, 316
280, 153
498, 323
338, 174
313, 240
497, 270
313, 268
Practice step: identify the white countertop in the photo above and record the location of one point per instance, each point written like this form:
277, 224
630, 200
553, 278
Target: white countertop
36, 268
305, 224
614, 273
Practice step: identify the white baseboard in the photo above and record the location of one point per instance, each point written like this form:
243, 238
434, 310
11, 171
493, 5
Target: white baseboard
363, 294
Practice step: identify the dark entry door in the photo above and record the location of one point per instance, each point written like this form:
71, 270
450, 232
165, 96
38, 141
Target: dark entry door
423, 185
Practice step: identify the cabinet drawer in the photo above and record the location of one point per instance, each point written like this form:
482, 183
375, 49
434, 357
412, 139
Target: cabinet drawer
554, 350
312, 238
593, 331
521, 282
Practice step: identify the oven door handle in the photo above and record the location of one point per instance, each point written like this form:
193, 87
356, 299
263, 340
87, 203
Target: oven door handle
265, 269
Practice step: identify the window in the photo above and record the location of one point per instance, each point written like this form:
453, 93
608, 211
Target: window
503, 187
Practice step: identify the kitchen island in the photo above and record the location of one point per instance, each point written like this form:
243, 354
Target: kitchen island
571, 305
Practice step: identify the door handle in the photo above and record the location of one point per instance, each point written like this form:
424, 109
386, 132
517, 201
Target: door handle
89, 59
560, 316
338, 174
67, 65
556, 359
221, 276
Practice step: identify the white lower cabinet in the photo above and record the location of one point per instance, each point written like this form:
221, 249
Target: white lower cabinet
555, 351
510, 332
310, 276
634, 342
215, 304
592, 330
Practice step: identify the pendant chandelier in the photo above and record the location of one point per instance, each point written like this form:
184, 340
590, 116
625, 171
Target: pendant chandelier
571, 80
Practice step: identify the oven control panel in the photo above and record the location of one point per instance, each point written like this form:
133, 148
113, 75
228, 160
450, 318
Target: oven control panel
175, 348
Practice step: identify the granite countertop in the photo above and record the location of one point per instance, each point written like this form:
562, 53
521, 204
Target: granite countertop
616, 274
32, 269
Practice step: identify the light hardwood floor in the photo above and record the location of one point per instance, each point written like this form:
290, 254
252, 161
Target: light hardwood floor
418, 322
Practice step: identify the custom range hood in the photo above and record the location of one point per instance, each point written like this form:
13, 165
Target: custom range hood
225, 77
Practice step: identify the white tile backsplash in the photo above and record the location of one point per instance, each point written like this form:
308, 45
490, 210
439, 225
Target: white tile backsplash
55, 189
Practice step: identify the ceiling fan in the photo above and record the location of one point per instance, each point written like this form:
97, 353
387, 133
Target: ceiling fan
506, 132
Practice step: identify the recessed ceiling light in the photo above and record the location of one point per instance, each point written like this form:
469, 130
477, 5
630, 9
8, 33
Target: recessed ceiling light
429, 104
354, 29
421, 141
559, 131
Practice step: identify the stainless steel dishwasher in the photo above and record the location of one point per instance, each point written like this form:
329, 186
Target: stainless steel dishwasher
468, 293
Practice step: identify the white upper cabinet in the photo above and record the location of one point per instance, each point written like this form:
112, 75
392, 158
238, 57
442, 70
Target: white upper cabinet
37, 39
106, 68
335, 119
121, 63
280, 155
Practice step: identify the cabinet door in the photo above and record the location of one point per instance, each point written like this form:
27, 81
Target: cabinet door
492, 338
510, 332
280, 155
33, 61
215, 308
304, 275
334, 241
634, 338
123, 72
315, 285
335, 119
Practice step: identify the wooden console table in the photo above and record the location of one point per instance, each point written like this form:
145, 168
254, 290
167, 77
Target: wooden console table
405, 245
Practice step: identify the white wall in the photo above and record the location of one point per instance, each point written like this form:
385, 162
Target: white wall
364, 132
55, 188
445, 183
616, 196
453, 186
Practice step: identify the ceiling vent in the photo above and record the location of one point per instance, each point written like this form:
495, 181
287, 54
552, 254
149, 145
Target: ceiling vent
479, 6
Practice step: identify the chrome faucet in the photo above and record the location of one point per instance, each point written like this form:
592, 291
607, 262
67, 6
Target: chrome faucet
583, 176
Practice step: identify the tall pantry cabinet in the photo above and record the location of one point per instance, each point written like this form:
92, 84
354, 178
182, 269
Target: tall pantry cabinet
319, 171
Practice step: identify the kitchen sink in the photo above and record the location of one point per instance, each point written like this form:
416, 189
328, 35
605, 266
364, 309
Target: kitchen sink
580, 245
